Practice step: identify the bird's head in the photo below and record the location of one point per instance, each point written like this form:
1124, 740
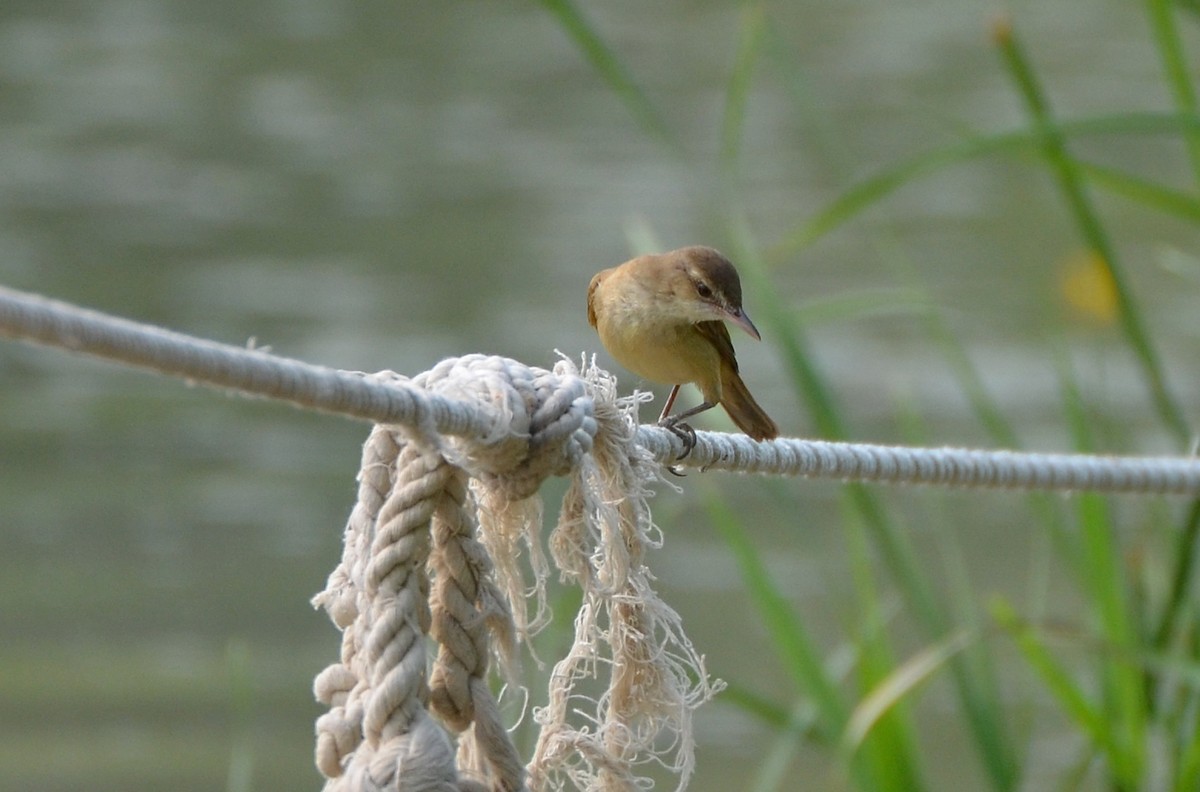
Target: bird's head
707, 284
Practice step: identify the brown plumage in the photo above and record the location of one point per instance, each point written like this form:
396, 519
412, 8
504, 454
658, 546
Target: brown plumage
663, 318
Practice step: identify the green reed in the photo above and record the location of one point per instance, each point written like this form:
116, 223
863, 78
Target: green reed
1133, 698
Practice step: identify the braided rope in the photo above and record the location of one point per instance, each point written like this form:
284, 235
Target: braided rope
469, 614
378, 734
340, 686
416, 567
959, 467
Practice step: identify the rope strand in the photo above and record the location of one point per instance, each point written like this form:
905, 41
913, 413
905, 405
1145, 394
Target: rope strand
394, 400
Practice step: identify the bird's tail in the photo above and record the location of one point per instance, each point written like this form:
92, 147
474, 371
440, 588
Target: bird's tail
745, 412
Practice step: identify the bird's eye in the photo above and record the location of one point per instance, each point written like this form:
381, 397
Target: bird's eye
703, 290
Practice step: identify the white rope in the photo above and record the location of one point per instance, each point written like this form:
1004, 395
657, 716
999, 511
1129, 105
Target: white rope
959, 467
399, 401
246, 371
416, 570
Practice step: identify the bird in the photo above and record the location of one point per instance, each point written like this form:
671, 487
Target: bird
663, 317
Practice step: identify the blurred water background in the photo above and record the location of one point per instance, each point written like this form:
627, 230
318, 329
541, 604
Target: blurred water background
380, 185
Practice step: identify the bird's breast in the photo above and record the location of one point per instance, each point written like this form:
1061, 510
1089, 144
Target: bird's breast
657, 347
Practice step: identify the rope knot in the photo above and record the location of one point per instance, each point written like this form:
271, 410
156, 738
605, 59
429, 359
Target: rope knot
542, 422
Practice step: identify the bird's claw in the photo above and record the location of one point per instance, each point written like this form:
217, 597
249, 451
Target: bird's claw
684, 432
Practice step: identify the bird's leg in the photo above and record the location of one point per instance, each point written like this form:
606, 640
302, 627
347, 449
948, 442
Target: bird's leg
699, 408
684, 433
677, 424
670, 403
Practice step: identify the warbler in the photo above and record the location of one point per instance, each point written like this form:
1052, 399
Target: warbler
663, 318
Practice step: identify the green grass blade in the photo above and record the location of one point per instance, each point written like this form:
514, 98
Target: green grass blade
737, 91
797, 652
914, 297
1125, 716
899, 683
774, 771
976, 692
870, 191
614, 73
1071, 183
1107, 588
1185, 556
1147, 193
874, 189
760, 707
786, 331
1170, 48
1053, 674
1074, 407
1188, 776
887, 743
789, 334
1043, 505
1187, 546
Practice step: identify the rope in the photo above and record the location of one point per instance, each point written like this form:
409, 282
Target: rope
389, 399
416, 566
431, 586
246, 371
959, 467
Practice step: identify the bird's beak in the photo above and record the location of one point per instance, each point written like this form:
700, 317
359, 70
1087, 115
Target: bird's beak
742, 320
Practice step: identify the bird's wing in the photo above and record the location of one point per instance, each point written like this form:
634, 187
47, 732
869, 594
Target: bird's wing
595, 284
717, 333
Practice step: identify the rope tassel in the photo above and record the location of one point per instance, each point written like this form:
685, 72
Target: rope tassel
416, 570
